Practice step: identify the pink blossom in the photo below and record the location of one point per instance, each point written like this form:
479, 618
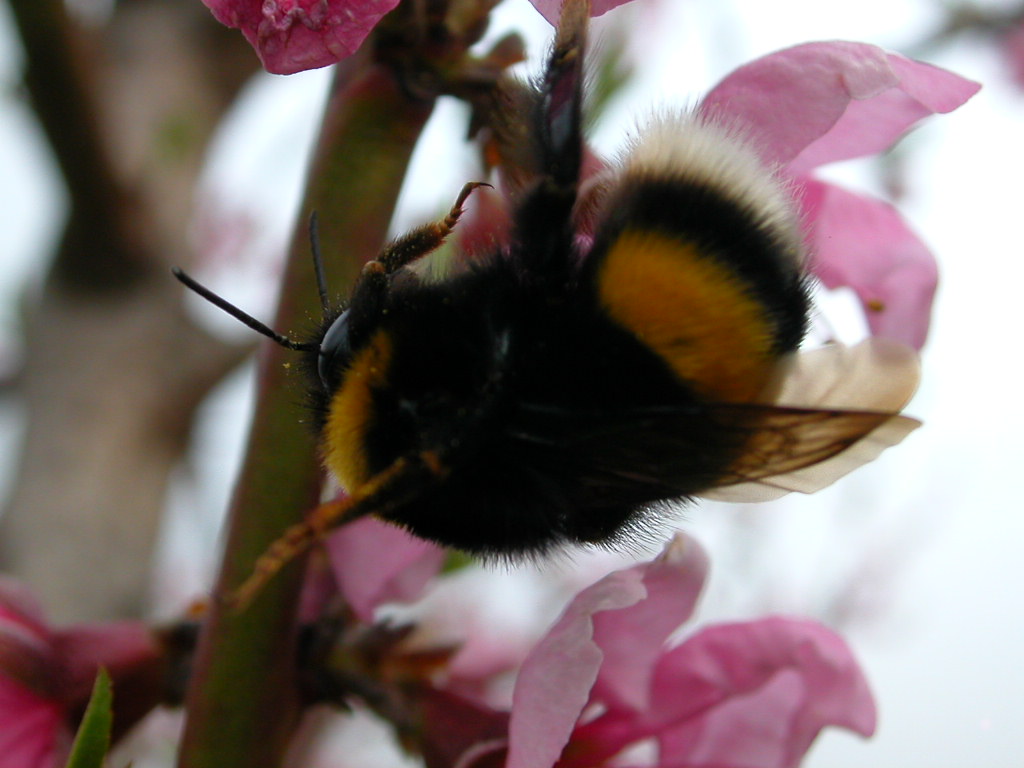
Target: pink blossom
743, 695
1012, 45
459, 731
825, 102
46, 676
294, 35
759, 693
34, 731
864, 243
376, 563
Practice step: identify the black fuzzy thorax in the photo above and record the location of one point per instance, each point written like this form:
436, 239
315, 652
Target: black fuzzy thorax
536, 402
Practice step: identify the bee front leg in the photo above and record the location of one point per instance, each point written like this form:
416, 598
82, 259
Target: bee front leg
370, 294
425, 239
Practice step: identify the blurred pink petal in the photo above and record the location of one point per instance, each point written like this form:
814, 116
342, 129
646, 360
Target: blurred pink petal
47, 674
865, 244
744, 695
377, 563
787, 100
458, 731
632, 638
1012, 45
870, 126
26, 655
294, 35
33, 733
18, 607
823, 102
757, 694
487, 649
549, 9
126, 649
555, 681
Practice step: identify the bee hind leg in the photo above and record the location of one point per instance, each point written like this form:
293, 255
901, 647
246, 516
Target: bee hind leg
544, 220
560, 108
387, 490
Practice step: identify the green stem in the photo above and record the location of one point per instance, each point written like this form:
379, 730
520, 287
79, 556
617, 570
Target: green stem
243, 703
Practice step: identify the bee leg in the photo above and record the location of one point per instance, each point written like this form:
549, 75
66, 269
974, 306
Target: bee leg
560, 117
422, 240
394, 486
543, 222
370, 294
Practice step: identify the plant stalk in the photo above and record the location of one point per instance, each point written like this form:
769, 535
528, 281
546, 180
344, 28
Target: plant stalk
243, 702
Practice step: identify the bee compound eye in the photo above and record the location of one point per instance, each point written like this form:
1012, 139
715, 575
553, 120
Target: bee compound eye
335, 348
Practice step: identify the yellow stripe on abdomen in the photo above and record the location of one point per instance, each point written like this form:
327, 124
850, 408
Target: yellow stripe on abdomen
691, 311
351, 411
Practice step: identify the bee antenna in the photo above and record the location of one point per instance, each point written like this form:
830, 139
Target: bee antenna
318, 262
244, 317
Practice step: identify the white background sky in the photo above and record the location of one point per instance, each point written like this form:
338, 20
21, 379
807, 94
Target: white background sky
931, 535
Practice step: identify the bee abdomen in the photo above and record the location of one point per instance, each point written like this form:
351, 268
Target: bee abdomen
699, 256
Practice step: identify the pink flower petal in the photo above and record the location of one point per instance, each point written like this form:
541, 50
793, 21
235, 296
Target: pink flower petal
865, 244
26, 643
554, 682
786, 100
32, 732
632, 638
757, 694
642, 605
123, 648
871, 126
294, 35
822, 102
46, 673
377, 563
458, 731
1012, 45
18, 605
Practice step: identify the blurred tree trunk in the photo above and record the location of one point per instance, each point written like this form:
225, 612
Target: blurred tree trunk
113, 368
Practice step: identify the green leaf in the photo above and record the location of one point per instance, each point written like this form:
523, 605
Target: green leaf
93, 738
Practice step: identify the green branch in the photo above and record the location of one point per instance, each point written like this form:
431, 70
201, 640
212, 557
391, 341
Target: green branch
242, 706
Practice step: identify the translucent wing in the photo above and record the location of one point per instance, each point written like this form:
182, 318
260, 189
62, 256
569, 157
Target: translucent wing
807, 450
739, 452
873, 379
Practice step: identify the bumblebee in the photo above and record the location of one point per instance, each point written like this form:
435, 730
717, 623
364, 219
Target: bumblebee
558, 392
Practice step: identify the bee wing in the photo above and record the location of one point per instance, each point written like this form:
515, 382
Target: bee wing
644, 454
874, 375
835, 409
806, 450
858, 390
